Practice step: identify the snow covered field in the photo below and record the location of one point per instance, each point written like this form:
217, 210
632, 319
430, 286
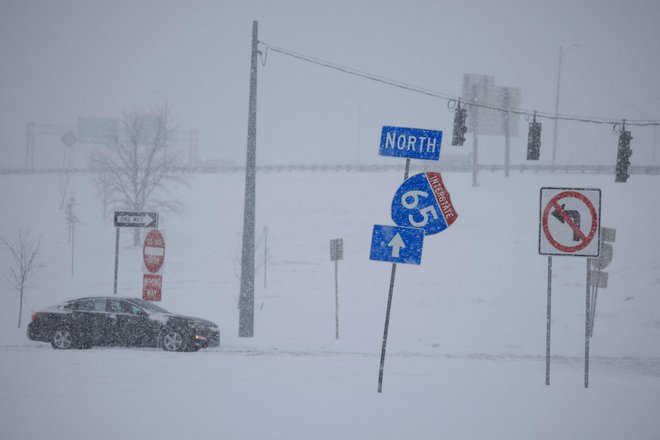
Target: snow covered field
467, 333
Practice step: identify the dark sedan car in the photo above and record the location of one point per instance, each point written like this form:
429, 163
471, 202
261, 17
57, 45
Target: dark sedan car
130, 322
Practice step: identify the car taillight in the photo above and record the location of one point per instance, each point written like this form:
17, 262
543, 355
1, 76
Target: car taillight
34, 316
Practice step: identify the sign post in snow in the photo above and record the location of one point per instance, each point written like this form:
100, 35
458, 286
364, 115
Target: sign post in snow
419, 206
597, 277
336, 254
131, 220
569, 225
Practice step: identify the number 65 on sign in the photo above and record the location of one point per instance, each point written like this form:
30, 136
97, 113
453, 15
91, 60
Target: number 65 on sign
422, 201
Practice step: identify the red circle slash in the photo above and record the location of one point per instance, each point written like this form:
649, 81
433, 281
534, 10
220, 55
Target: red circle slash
584, 239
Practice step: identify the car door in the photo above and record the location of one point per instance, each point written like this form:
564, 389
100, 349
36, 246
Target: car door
90, 322
133, 324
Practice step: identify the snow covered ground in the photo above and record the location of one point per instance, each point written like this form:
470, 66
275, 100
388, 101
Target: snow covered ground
467, 332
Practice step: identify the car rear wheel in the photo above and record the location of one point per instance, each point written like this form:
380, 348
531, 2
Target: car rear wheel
172, 340
62, 339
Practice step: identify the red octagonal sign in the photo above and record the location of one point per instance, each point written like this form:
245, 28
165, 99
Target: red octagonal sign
153, 251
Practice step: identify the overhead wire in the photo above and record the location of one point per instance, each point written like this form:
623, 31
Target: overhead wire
449, 97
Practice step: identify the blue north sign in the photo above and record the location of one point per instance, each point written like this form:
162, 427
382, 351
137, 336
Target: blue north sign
411, 143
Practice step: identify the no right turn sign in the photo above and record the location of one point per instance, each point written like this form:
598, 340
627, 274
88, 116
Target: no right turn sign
570, 222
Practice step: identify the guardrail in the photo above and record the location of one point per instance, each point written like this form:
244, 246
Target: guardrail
456, 167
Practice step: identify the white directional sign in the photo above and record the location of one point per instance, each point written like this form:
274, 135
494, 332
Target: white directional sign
136, 219
570, 222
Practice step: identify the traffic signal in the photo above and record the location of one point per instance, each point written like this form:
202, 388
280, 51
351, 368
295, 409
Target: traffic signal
623, 156
534, 140
460, 114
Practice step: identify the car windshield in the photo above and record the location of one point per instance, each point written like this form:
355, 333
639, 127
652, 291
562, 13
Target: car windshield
149, 306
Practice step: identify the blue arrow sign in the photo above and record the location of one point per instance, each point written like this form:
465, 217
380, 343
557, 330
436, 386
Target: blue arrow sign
412, 143
396, 244
422, 201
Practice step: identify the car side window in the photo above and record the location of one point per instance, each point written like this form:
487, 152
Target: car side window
135, 310
99, 305
85, 305
116, 306
119, 306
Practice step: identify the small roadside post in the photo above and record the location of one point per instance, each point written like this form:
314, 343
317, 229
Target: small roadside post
336, 254
598, 277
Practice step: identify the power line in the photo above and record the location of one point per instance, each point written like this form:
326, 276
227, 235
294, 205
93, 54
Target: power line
448, 97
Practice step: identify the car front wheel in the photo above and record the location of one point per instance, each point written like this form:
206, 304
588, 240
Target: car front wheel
172, 340
62, 339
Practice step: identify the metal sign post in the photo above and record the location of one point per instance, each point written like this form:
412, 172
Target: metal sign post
570, 225
598, 277
421, 206
587, 314
390, 294
336, 254
131, 220
548, 323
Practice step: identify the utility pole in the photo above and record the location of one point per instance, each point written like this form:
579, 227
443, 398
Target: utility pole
29, 151
507, 134
475, 137
562, 52
265, 256
246, 297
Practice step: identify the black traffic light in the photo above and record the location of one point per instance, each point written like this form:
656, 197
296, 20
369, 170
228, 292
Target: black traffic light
623, 156
460, 114
534, 140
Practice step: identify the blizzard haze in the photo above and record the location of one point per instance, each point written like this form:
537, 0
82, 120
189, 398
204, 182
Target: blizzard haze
466, 345
73, 59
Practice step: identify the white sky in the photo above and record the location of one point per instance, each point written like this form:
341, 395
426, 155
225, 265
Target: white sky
71, 58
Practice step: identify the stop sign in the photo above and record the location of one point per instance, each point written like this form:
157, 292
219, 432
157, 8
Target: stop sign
153, 251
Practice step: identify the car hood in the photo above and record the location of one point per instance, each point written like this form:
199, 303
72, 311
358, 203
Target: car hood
165, 318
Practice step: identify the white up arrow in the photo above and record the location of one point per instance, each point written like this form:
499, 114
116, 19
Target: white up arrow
396, 243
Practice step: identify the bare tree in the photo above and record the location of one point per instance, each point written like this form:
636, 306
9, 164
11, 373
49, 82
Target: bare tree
102, 182
136, 169
24, 266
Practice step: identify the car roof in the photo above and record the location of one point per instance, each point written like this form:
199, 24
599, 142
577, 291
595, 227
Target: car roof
127, 298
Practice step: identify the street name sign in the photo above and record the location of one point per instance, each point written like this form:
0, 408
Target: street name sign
136, 219
411, 143
422, 201
397, 244
570, 222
